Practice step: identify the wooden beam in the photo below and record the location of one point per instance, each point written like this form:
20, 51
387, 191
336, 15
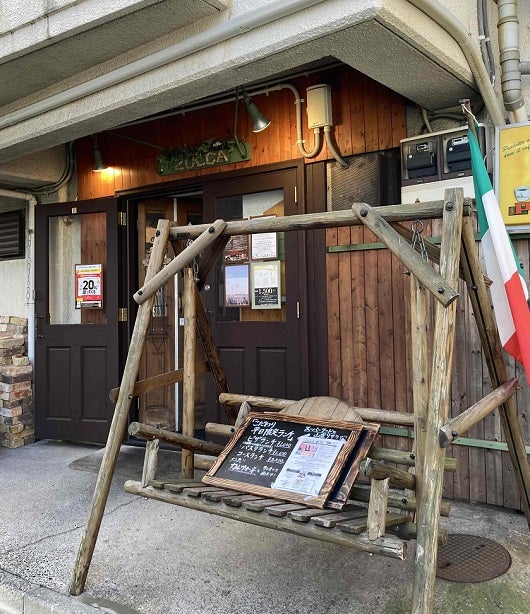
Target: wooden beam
212, 354
367, 413
145, 431
396, 499
419, 308
119, 420
210, 258
180, 261
438, 410
313, 221
491, 345
150, 461
377, 508
379, 471
189, 353
444, 292
159, 381
433, 250
467, 419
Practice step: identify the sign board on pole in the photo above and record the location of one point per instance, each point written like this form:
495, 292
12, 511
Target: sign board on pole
512, 176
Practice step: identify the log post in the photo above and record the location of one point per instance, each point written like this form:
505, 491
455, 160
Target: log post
119, 420
150, 461
491, 345
379, 471
180, 261
467, 419
438, 410
377, 508
188, 384
137, 429
419, 305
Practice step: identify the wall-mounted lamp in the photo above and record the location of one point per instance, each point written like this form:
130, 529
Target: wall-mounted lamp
260, 121
319, 117
99, 165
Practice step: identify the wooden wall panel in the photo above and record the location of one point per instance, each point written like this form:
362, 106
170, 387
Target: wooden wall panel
376, 336
366, 116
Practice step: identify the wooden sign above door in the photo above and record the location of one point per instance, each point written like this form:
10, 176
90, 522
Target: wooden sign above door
212, 152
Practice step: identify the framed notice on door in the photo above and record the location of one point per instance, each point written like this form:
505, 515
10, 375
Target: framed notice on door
266, 285
88, 286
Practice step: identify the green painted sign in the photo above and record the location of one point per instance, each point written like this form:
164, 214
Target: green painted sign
212, 152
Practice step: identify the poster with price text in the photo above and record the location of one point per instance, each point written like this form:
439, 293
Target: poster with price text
88, 286
266, 285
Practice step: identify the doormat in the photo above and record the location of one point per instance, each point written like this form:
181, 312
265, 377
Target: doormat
130, 463
469, 558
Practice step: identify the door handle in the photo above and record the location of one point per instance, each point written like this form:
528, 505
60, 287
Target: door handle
38, 335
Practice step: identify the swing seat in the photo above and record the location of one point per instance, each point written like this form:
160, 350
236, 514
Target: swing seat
347, 527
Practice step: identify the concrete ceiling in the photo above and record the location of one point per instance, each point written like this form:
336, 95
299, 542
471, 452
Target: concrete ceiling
54, 59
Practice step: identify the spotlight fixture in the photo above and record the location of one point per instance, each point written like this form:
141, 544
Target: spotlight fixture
99, 165
260, 121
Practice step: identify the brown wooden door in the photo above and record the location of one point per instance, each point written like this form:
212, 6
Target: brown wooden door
157, 408
76, 348
262, 341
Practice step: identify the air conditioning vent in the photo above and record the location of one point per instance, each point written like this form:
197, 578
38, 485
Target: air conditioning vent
12, 235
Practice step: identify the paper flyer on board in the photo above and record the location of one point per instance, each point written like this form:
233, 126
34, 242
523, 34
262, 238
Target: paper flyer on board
308, 465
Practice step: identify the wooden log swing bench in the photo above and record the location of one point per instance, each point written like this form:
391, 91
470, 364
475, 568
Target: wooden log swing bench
352, 514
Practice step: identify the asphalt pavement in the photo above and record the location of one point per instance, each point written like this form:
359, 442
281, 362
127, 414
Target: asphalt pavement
156, 558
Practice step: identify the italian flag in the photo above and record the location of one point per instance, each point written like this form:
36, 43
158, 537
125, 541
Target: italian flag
508, 290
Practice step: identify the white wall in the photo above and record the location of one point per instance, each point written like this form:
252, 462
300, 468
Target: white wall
12, 297
13, 273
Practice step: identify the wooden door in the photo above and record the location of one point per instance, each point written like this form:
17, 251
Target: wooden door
76, 347
262, 342
157, 408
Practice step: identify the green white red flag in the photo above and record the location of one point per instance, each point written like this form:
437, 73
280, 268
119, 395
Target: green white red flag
508, 290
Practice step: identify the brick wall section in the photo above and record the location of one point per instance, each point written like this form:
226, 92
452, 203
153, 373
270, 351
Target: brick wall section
17, 419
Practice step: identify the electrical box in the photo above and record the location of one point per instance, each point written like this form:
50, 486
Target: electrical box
433, 162
319, 106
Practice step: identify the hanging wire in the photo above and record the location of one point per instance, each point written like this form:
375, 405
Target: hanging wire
240, 146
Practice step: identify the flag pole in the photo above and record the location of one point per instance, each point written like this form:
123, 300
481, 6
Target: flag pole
471, 119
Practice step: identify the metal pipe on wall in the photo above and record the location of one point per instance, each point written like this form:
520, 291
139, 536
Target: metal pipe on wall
512, 86
214, 36
471, 51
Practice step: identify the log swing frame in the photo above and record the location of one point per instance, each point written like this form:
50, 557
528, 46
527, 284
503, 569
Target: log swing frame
434, 430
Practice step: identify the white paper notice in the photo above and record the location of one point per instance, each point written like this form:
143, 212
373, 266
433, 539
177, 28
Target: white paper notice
308, 465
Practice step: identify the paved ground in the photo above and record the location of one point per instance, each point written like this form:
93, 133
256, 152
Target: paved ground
155, 558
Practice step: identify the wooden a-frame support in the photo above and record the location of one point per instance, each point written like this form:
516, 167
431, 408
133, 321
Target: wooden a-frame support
431, 383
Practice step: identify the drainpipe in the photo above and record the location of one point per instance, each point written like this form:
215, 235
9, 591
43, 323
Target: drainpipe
471, 51
512, 87
218, 34
32, 201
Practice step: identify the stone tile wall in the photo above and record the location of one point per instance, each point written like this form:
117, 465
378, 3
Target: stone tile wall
17, 419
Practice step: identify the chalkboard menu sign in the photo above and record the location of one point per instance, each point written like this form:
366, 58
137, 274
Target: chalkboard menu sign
288, 457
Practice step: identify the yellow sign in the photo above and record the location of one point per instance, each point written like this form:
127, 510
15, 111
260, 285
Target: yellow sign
513, 173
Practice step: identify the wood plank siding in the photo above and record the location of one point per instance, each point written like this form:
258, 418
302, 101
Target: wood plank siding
368, 292
366, 116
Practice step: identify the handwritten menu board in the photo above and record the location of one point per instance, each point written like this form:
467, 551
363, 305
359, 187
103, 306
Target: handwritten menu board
288, 457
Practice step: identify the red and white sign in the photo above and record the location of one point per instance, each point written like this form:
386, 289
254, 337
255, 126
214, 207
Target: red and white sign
88, 286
